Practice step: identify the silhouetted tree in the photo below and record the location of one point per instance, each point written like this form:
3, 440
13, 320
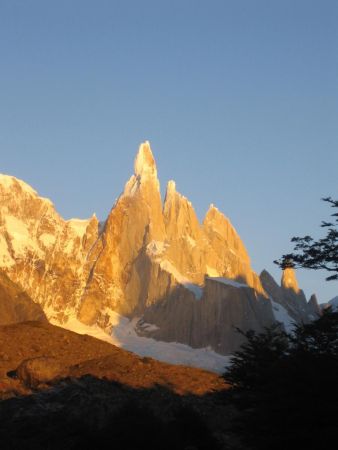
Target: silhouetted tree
320, 254
251, 364
285, 385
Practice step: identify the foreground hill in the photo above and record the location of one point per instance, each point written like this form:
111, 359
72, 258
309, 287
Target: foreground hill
66, 354
63, 390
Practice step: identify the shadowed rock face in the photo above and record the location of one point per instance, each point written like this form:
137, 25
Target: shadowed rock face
213, 319
16, 305
147, 257
313, 307
290, 296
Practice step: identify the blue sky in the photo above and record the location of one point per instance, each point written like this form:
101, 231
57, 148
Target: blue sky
238, 98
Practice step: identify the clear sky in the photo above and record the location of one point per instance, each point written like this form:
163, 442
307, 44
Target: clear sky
239, 100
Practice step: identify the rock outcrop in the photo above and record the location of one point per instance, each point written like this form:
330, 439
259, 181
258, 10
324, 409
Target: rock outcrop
289, 296
313, 307
193, 282
33, 372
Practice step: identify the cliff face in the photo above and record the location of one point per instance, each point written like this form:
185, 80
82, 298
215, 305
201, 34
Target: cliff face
289, 296
193, 282
212, 320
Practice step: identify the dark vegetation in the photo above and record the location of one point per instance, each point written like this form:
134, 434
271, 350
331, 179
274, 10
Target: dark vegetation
284, 395
320, 254
286, 386
89, 413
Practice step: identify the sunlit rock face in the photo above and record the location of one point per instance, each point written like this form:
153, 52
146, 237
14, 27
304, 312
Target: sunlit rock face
191, 281
289, 280
121, 275
227, 255
46, 255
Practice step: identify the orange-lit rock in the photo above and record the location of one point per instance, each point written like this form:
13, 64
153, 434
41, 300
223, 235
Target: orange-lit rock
289, 280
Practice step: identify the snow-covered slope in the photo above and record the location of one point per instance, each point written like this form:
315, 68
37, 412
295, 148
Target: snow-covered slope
123, 335
282, 316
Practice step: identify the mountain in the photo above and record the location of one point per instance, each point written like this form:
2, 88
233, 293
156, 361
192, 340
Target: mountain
151, 262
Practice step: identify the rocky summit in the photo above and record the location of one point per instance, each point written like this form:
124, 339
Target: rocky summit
152, 264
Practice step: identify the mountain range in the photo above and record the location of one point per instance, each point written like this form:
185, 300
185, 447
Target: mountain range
151, 267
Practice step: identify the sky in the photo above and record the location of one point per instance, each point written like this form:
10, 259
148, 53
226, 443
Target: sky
238, 99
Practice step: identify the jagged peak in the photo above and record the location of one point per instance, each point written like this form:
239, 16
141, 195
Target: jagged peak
172, 195
145, 164
171, 187
289, 280
266, 274
217, 220
268, 281
213, 207
214, 213
144, 171
313, 299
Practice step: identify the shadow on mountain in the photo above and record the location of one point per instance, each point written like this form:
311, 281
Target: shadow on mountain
210, 321
89, 413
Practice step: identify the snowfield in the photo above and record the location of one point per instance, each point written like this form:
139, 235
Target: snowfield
123, 335
281, 315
